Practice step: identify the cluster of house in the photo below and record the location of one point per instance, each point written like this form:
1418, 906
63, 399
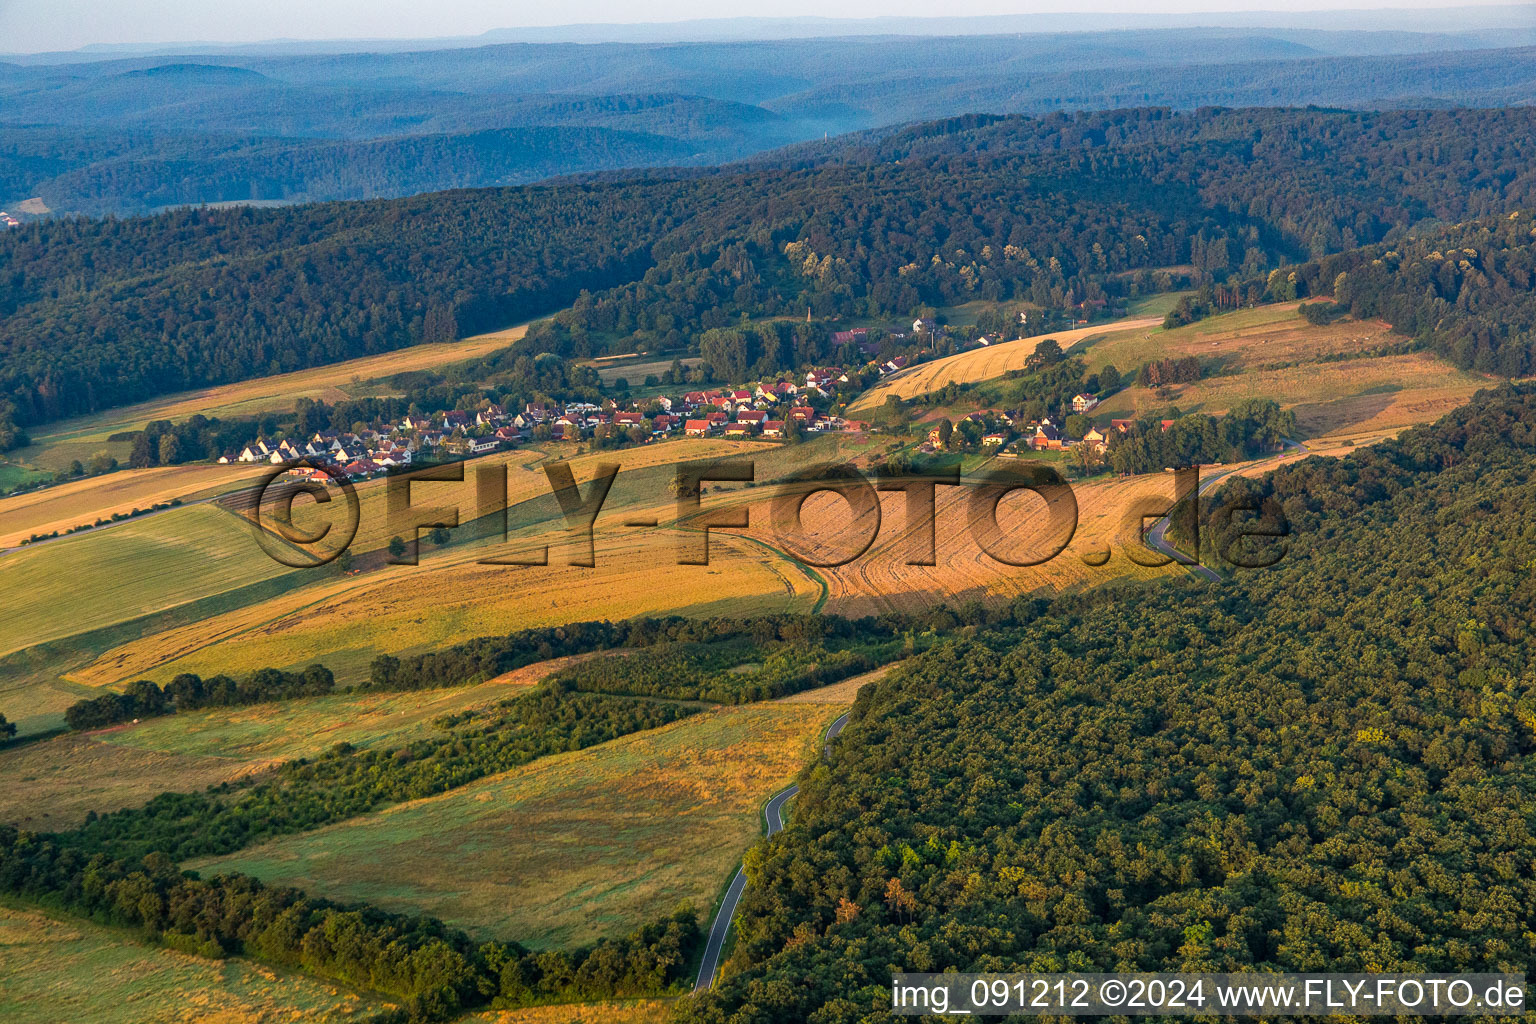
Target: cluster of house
1040, 435
767, 409
8, 221
733, 413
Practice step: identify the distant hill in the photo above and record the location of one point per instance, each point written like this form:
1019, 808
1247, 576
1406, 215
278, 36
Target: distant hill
139, 133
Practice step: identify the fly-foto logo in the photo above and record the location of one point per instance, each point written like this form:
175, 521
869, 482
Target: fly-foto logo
410, 508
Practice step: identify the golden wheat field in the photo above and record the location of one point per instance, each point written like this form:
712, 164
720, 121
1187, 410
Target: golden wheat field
571, 847
59, 969
983, 363
450, 597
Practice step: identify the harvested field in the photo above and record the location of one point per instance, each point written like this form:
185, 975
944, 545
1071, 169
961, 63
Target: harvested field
881, 580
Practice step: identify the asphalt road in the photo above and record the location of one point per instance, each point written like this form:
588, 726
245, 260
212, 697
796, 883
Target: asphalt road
774, 815
1157, 537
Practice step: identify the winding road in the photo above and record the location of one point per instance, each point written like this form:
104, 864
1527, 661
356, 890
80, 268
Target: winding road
1157, 537
773, 813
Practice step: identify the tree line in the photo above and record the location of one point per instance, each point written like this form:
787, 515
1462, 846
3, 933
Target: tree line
142, 698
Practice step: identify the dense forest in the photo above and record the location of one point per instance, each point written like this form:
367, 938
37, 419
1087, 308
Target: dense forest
1324, 765
1058, 211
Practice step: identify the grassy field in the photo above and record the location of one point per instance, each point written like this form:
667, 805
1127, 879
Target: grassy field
842, 693
635, 369
55, 445
1333, 376
13, 476
84, 501
54, 783
54, 970
571, 847
94, 579
67, 776
983, 363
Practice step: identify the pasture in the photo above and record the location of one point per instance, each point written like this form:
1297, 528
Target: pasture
1341, 398
572, 847
57, 969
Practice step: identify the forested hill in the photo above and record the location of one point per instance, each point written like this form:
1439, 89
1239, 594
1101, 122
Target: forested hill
1055, 210
1468, 290
1323, 764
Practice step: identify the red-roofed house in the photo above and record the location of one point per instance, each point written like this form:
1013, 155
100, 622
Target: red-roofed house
696, 428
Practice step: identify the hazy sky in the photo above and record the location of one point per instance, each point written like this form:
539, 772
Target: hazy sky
35, 25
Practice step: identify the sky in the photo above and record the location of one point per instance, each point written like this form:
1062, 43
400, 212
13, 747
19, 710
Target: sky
29, 26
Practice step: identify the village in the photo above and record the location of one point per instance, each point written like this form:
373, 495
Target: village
779, 410
775, 411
